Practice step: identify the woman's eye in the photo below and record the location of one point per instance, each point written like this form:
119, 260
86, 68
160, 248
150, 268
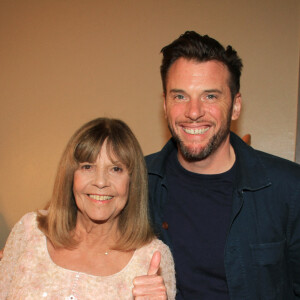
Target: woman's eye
86, 167
117, 169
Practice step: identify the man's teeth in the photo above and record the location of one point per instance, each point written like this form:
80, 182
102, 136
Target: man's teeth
195, 131
100, 198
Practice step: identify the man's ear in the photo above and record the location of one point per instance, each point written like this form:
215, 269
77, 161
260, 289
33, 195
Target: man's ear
165, 105
237, 106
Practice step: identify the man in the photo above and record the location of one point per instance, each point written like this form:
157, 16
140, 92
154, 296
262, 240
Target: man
230, 214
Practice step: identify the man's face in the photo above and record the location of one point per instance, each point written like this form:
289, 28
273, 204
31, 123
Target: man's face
198, 107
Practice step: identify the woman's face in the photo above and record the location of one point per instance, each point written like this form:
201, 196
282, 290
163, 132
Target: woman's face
101, 188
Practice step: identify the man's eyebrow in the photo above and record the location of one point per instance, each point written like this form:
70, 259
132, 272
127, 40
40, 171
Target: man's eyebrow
213, 91
176, 91
205, 91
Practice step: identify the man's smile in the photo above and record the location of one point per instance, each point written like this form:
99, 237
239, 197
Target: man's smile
195, 130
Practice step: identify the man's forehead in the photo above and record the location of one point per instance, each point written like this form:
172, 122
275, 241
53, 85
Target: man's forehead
186, 64
185, 72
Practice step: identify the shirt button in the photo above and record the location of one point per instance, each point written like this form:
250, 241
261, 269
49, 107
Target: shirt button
165, 225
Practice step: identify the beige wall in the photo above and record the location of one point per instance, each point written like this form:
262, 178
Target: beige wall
65, 62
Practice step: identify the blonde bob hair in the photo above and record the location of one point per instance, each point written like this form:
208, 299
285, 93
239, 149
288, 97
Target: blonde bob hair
84, 146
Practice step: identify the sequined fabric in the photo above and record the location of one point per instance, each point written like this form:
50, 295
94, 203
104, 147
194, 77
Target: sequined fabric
27, 271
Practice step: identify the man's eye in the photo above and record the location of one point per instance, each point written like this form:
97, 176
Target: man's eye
180, 97
211, 97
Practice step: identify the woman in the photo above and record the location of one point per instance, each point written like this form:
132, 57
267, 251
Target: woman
94, 237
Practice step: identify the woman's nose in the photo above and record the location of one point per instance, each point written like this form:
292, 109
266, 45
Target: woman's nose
101, 179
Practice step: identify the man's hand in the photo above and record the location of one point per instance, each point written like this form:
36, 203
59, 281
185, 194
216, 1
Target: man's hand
1, 254
150, 286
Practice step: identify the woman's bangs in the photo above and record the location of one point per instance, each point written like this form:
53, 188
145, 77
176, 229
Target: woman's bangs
87, 151
118, 150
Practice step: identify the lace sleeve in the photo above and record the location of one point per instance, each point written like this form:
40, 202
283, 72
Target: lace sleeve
13, 248
168, 271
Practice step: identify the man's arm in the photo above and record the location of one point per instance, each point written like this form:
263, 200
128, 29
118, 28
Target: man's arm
294, 245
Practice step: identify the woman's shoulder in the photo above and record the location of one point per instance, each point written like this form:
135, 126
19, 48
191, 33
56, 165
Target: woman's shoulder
21, 232
29, 221
28, 218
143, 255
155, 245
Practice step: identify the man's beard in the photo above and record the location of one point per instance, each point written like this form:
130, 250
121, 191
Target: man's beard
213, 144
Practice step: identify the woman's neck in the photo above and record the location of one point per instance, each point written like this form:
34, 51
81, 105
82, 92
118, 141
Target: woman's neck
96, 236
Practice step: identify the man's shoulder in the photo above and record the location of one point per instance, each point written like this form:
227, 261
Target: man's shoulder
157, 159
278, 164
256, 160
256, 169
150, 157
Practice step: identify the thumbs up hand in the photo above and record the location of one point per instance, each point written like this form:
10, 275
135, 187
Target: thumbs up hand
150, 286
154, 263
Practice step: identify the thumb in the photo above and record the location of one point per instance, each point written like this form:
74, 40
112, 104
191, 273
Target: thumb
154, 264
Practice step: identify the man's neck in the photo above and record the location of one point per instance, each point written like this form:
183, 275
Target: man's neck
218, 162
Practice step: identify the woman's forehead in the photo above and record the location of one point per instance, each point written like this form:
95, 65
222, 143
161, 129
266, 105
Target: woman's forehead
108, 152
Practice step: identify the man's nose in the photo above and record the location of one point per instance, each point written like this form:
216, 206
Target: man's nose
194, 109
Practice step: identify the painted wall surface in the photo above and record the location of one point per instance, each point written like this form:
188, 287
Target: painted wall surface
297, 152
65, 62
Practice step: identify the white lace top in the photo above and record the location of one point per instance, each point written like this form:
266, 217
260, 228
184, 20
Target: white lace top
27, 271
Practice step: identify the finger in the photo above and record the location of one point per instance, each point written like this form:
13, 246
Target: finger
157, 289
154, 264
151, 297
147, 280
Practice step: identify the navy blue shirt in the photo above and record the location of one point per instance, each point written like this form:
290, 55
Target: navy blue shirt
198, 214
